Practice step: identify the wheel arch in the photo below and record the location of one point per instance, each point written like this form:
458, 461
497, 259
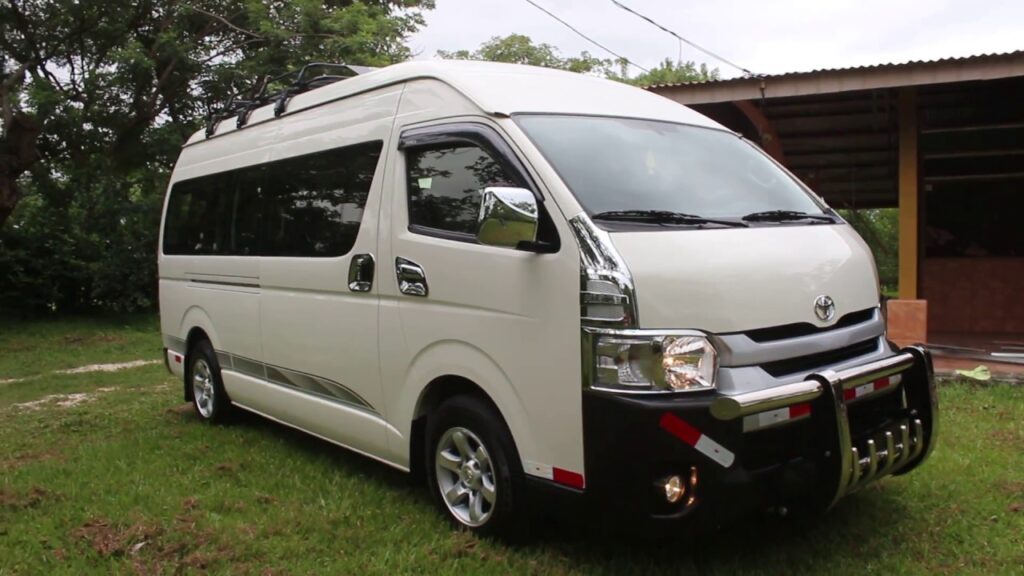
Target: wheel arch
196, 326
434, 394
474, 373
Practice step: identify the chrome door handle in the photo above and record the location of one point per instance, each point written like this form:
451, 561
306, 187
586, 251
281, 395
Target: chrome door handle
412, 280
360, 273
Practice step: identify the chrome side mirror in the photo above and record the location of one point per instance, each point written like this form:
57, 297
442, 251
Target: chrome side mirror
508, 216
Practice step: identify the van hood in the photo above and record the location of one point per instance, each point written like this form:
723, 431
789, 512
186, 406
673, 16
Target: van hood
739, 279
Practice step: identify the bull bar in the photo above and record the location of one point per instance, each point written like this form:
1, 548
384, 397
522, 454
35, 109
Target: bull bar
851, 463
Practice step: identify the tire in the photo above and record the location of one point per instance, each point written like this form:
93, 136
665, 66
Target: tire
470, 456
209, 398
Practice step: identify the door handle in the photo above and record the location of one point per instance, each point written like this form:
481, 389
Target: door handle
412, 280
360, 273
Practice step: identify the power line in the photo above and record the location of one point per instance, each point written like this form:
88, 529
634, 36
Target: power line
681, 39
585, 37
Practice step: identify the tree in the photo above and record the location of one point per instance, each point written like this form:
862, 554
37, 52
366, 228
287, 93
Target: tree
97, 98
520, 49
121, 77
671, 72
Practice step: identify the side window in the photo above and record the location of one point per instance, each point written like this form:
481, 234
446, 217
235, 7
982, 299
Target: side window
314, 203
248, 211
445, 185
199, 216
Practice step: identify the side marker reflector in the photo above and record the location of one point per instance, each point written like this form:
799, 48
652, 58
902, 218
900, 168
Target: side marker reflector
770, 418
567, 477
683, 430
871, 387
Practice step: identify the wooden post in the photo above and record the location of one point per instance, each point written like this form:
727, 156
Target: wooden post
908, 193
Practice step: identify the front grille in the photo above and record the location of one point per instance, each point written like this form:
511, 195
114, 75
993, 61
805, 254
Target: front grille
812, 362
799, 329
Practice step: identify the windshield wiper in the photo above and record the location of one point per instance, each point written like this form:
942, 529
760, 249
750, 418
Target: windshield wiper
785, 216
664, 217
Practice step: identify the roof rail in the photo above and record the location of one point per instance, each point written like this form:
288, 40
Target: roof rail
298, 81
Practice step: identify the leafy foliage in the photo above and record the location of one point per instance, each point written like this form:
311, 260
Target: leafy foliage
520, 49
880, 229
97, 98
672, 72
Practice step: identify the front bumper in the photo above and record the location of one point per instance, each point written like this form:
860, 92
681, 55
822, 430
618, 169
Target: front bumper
802, 445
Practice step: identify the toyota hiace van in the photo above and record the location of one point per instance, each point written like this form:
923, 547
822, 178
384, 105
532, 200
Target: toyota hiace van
524, 284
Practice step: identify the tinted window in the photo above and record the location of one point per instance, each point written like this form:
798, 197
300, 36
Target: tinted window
199, 216
625, 164
305, 206
445, 186
315, 203
248, 210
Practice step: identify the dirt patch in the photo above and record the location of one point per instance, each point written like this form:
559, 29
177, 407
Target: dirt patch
22, 500
181, 409
1009, 437
62, 400
26, 458
78, 340
226, 467
109, 539
1014, 488
154, 549
108, 367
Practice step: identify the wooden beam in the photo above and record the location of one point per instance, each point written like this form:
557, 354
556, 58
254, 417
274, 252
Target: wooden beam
977, 128
984, 67
769, 137
975, 177
908, 193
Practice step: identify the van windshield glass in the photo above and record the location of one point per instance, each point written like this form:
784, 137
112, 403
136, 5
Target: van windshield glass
632, 169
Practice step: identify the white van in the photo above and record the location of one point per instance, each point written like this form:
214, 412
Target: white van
529, 284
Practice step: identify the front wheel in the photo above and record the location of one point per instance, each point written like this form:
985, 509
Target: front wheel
473, 469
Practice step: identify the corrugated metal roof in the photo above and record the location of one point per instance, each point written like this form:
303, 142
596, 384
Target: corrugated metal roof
851, 69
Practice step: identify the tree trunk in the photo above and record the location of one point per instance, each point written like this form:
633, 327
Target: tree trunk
18, 153
8, 196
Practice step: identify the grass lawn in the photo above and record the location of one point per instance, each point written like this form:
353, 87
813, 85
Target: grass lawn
125, 479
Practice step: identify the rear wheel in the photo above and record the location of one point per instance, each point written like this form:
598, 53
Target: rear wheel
473, 469
209, 398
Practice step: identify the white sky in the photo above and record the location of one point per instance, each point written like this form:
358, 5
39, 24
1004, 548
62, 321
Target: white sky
766, 36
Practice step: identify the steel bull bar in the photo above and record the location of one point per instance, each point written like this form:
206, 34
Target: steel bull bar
846, 461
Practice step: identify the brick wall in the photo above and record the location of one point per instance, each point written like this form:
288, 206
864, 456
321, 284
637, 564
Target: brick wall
974, 294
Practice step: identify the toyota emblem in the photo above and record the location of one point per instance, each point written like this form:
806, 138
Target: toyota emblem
824, 308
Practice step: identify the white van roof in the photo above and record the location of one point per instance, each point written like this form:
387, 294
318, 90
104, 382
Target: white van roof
504, 89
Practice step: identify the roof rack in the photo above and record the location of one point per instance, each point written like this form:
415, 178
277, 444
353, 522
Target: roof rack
298, 82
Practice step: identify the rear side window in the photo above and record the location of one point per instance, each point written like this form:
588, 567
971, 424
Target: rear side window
315, 203
199, 216
307, 206
445, 186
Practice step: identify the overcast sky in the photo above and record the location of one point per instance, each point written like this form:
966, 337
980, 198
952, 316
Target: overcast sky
766, 36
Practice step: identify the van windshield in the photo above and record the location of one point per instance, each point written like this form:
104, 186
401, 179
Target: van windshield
620, 167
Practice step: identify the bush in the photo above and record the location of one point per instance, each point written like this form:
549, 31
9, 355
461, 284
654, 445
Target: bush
97, 252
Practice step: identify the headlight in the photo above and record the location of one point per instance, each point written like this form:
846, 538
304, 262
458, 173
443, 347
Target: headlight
631, 360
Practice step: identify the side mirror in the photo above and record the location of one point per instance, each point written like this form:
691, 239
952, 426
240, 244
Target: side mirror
508, 216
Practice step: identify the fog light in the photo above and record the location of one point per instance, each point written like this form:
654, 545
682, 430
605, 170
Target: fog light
674, 489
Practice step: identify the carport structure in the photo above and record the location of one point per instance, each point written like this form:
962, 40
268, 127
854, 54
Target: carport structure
941, 140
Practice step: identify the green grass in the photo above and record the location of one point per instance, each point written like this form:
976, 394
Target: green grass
130, 482
28, 348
